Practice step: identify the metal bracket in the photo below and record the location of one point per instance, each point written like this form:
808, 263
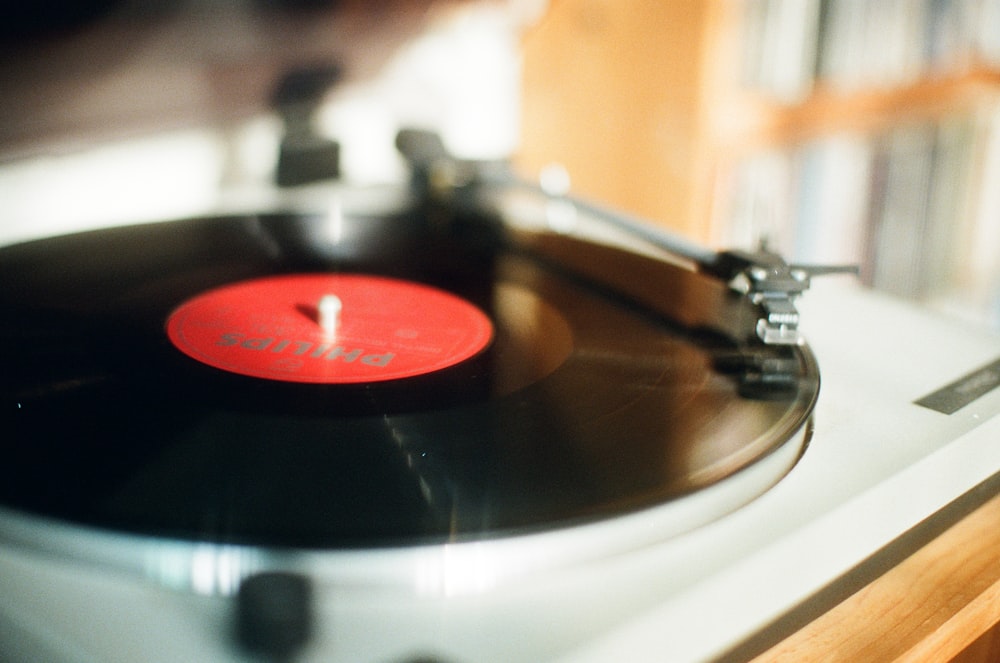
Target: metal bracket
772, 285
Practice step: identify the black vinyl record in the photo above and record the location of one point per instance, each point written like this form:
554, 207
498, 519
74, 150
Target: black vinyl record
581, 405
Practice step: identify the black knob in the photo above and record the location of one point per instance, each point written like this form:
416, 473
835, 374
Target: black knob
274, 614
305, 155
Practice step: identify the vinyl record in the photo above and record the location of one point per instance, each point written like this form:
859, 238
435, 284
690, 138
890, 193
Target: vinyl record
173, 380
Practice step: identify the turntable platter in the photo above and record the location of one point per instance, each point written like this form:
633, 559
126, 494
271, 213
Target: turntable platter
570, 404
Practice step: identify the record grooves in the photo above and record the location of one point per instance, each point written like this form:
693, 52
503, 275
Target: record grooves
580, 406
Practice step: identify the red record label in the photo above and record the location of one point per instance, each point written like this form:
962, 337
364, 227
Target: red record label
329, 328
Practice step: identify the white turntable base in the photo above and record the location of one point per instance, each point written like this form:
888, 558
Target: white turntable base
876, 466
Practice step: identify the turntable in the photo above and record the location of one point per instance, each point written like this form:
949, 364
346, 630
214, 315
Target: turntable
459, 419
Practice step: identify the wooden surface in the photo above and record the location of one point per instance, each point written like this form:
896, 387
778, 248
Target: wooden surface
940, 604
619, 98
828, 111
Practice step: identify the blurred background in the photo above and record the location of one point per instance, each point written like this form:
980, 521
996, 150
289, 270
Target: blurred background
835, 131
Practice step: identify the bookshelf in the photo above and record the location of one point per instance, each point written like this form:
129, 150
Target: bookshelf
858, 131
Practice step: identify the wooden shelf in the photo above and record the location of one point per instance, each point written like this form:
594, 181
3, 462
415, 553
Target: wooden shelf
828, 110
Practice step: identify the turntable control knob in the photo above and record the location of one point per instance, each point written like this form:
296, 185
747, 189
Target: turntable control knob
274, 614
305, 154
